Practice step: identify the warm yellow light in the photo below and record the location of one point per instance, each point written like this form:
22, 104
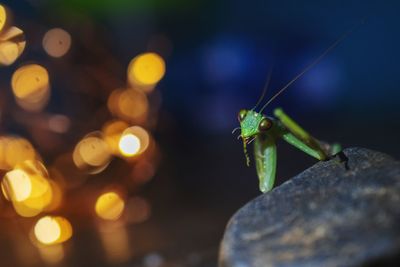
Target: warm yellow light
12, 44
66, 229
134, 140
8, 53
28, 187
47, 230
51, 230
3, 17
29, 80
129, 104
146, 69
109, 206
56, 42
92, 153
16, 185
129, 145
15, 150
112, 132
18, 150
31, 88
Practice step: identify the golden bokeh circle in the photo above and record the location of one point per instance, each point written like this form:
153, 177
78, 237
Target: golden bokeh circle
31, 87
146, 69
109, 206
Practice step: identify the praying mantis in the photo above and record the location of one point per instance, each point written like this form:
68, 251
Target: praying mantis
266, 130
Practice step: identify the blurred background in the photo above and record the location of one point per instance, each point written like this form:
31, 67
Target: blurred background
116, 117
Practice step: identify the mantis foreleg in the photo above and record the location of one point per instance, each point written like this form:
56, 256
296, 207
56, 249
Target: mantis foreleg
265, 158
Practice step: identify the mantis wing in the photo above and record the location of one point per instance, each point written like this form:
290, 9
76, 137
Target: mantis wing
265, 158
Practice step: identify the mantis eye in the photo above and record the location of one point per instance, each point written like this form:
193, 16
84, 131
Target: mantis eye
264, 125
242, 114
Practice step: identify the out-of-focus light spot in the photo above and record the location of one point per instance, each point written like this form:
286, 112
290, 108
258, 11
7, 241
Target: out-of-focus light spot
52, 230
56, 197
92, 153
47, 230
138, 210
56, 42
31, 88
4, 17
146, 69
133, 138
109, 206
129, 145
18, 150
112, 132
129, 104
16, 185
59, 123
14, 150
12, 44
66, 229
28, 176
8, 53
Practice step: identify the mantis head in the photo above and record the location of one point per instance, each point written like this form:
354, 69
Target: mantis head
252, 124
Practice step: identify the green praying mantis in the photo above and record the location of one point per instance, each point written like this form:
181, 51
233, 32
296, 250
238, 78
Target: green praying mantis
265, 131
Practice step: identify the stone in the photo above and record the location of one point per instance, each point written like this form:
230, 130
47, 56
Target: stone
325, 216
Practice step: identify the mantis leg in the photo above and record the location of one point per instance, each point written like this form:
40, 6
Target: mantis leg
299, 138
265, 158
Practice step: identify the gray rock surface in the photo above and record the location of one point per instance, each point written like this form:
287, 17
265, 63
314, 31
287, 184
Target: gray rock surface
325, 216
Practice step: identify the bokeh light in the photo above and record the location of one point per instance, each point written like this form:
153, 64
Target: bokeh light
59, 123
4, 17
12, 44
14, 150
50, 230
56, 42
129, 145
134, 140
112, 132
28, 187
31, 87
109, 206
92, 153
16, 185
146, 69
47, 230
129, 104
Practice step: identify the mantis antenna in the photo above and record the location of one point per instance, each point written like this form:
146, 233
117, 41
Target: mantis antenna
264, 91
312, 64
